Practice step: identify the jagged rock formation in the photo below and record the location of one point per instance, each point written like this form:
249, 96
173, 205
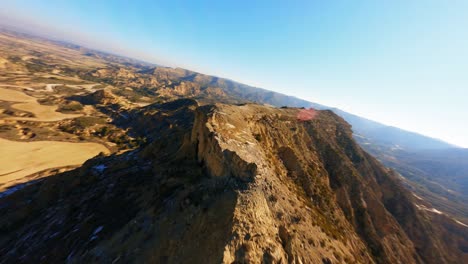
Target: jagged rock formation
227, 184
34, 61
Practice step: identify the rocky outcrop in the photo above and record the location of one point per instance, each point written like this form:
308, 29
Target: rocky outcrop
226, 184
101, 97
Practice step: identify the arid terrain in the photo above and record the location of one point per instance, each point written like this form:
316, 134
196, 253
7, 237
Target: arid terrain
38, 125
106, 159
21, 159
248, 183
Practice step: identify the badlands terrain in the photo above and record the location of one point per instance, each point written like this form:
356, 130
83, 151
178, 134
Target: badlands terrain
38, 125
107, 159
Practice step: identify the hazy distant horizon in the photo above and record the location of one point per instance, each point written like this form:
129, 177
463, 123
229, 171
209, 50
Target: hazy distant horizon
398, 63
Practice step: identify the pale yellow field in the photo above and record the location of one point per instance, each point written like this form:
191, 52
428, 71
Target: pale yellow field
28, 103
20, 159
14, 96
43, 113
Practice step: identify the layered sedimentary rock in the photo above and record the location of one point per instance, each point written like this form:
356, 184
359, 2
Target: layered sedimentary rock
227, 184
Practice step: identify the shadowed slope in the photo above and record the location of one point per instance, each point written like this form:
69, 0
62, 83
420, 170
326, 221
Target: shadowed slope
230, 184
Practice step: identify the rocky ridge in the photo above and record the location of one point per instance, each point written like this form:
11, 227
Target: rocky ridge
231, 184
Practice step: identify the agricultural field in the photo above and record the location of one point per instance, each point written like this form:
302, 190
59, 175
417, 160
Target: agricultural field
43, 128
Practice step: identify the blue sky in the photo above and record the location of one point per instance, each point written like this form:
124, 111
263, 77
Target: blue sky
402, 63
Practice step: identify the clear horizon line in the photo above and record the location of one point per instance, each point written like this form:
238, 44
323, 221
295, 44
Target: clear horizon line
50, 37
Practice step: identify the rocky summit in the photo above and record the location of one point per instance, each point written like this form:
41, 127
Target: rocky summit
227, 183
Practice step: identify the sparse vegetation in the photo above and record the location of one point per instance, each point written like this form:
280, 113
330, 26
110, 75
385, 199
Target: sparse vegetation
87, 121
299, 186
70, 107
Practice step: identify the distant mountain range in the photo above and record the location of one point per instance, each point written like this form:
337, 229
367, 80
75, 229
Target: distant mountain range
143, 82
374, 132
435, 170
203, 169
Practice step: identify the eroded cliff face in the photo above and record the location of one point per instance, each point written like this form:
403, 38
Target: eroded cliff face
276, 218
226, 184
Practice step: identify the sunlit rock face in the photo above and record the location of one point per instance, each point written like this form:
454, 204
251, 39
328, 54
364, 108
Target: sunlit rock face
227, 184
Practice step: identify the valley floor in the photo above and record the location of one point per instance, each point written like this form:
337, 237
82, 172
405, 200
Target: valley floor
20, 159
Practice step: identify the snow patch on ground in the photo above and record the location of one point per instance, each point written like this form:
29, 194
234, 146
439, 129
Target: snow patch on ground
16, 188
418, 197
95, 233
100, 168
458, 222
97, 230
433, 210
